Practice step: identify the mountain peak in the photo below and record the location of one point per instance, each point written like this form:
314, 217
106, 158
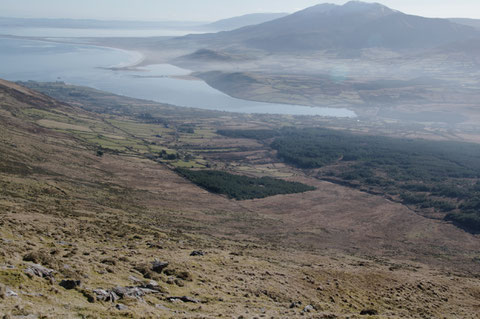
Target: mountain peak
351, 7
361, 7
362, 4
355, 25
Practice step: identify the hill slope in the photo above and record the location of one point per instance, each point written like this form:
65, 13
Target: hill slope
475, 23
243, 21
89, 235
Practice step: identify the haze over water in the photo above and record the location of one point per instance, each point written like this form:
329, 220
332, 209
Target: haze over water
85, 65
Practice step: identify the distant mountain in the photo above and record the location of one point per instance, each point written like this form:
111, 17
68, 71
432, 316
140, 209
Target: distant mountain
352, 26
475, 23
243, 21
89, 23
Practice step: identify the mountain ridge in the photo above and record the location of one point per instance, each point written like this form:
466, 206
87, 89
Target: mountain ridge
243, 21
354, 25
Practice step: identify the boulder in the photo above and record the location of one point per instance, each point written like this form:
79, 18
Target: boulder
295, 304
369, 312
196, 253
39, 271
105, 295
10, 293
132, 292
121, 307
308, 308
123, 292
158, 266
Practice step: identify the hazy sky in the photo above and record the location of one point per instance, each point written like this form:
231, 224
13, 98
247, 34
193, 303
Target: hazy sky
209, 10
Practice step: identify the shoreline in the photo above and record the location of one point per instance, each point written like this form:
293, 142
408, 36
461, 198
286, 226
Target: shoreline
130, 66
139, 59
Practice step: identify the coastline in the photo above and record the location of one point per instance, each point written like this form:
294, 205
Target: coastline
138, 58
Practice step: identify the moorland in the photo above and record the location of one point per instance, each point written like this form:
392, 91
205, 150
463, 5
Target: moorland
90, 194
115, 207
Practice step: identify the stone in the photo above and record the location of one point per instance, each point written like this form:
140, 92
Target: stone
196, 253
105, 295
183, 299
121, 307
189, 299
39, 271
10, 293
123, 292
369, 312
158, 266
132, 292
295, 304
158, 245
135, 279
70, 284
151, 284
9, 267
308, 308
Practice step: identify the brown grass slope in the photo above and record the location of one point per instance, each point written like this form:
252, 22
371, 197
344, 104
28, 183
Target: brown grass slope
103, 220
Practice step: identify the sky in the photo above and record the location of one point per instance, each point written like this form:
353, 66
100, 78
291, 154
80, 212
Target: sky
209, 10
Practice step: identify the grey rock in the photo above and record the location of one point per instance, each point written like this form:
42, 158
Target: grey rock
295, 304
308, 308
10, 293
118, 293
184, 299
106, 295
135, 279
39, 271
129, 292
158, 266
9, 267
121, 307
196, 253
153, 285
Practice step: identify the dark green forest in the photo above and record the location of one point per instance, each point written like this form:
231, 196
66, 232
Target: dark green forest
241, 187
440, 176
